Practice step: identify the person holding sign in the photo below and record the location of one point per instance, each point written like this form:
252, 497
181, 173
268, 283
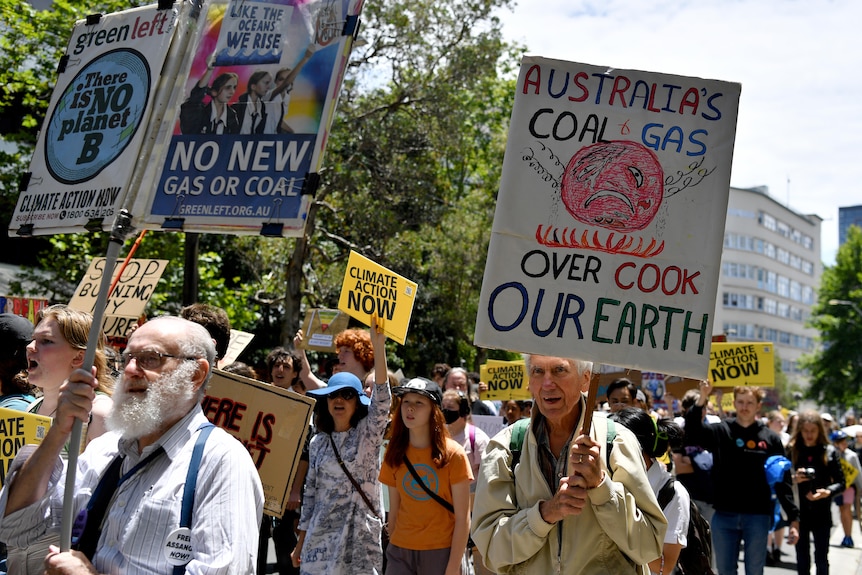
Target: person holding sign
58, 346
428, 478
132, 515
744, 507
853, 476
564, 505
341, 524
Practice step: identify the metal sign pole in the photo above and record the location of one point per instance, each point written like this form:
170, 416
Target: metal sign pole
122, 227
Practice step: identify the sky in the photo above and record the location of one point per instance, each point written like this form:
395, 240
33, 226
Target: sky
799, 130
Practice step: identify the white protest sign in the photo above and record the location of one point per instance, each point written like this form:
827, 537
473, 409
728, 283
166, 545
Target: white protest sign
609, 225
82, 165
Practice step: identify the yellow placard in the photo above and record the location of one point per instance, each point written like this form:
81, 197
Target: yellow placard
319, 328
850, 472
505, 379
17, 429
742, 363
371, 289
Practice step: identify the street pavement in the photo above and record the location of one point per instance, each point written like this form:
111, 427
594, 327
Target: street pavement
842, 561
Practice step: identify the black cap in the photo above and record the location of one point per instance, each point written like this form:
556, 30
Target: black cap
421, 386
15, 330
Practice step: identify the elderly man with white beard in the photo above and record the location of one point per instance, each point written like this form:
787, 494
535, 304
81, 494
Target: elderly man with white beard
161, 492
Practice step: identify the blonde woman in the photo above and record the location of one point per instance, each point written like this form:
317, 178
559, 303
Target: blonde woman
58, 348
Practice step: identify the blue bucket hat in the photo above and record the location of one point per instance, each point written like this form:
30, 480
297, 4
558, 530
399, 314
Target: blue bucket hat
340, 381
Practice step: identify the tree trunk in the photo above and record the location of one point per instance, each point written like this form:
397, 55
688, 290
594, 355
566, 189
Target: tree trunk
190, 268
293, 276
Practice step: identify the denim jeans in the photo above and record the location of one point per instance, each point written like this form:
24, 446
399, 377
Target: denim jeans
728, 529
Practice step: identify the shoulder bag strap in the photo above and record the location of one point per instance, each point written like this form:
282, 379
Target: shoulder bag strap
352, 480
448, 506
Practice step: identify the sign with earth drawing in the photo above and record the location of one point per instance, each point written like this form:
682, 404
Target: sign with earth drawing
607, 236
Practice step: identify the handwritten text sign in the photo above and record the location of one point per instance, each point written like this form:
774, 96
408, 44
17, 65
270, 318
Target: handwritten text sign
607, 236
272, 423
130, 296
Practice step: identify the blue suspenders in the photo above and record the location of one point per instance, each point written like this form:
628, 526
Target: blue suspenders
191, 483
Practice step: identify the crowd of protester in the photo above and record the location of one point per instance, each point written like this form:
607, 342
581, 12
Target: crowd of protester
396, 476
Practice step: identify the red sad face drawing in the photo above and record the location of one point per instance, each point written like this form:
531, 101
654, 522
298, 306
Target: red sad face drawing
616, 185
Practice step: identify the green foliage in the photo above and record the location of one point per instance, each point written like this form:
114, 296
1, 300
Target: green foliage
409, 180
836, 367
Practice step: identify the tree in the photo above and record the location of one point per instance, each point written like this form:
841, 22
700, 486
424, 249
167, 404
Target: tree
412, 168
409, 179
836, 366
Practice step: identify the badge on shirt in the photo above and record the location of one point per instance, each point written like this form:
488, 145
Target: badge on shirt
178, 546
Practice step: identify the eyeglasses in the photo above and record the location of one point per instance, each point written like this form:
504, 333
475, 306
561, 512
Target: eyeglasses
344, 393
148, 359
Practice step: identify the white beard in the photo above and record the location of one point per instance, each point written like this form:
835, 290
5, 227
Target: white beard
167, 399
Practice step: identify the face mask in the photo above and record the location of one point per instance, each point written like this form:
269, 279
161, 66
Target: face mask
451, 416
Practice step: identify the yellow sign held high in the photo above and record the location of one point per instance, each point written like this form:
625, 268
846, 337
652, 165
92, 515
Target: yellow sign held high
742, 363
505, 379
371, 289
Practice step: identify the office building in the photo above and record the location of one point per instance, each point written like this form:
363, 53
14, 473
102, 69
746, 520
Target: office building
770, 270
848, 216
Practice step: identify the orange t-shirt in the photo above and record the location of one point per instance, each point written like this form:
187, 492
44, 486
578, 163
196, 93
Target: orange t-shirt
422, 523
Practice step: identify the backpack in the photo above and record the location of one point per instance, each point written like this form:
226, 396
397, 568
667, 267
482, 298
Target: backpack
694, 559
519, 431
776, 466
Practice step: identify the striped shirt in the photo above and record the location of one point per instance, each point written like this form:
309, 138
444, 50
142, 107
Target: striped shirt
145, 510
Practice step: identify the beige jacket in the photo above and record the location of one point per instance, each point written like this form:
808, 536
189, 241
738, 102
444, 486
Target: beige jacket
619, 533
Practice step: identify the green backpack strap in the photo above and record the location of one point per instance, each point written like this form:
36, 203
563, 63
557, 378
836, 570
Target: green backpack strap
516, 440
519, 432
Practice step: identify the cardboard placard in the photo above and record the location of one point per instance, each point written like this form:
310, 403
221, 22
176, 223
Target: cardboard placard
271, 422
239, 340
319, 328
130, 296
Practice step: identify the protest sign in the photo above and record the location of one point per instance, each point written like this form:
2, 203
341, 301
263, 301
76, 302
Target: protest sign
239, 340
490, 424
505, 379
607, 236
319, 328
27, 307
271, 422
81, 169
850, 472
250, 117
739, 363
17, 429
371, 289
130, 296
